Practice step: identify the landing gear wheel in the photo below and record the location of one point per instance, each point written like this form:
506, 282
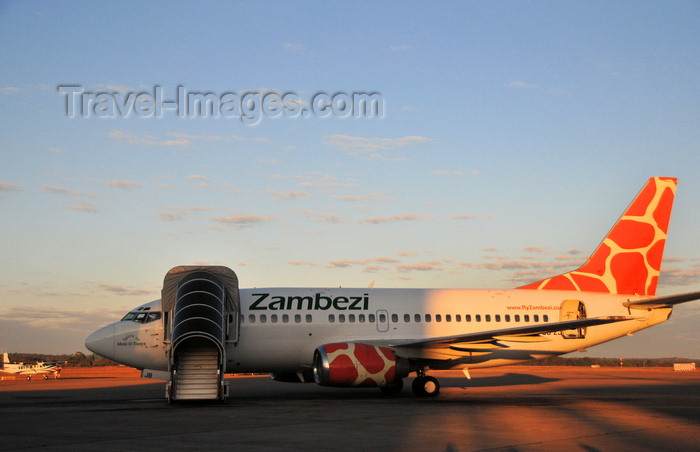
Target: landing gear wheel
426, 387
396, 388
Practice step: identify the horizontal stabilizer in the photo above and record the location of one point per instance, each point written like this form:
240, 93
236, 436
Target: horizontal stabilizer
662, 302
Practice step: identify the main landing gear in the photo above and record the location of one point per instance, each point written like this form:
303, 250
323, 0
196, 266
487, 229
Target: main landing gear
424, 386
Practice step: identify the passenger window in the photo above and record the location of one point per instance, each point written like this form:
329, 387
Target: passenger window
361, 318
537, 318
545, 318
507, 317
517, 317
285, 318
331, 318
273, 318
468, 317
416, 317
427, 317
498, 317
438, 318
458, 318
527, 318
382, 318
251, 318
263, 318
309, 318
448, 318
407, 318
297, 318
394, 318
341, 318
351, 318
372, 318
488, 317
478, 317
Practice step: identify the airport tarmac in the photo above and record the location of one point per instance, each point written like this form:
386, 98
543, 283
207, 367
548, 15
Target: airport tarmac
512, 408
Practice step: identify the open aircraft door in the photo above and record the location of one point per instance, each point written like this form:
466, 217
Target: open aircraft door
573, 310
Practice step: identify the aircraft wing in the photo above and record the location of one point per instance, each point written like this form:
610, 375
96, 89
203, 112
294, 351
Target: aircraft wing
529, 333
662, 302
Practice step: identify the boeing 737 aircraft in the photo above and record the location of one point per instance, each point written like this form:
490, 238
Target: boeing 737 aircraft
29, 370
204, 325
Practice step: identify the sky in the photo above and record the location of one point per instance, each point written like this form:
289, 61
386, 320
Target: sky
502, 143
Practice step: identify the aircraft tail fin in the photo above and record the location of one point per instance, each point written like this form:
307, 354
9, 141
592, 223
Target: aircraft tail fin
628, 260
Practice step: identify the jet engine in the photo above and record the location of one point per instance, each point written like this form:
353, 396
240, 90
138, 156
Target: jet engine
351, 364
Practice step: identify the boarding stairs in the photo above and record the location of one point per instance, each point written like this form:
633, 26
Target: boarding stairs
201, 304
197, 375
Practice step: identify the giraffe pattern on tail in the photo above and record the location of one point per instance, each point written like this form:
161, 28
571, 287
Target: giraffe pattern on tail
628, 261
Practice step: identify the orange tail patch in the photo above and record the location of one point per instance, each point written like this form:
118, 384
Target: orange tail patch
628, 260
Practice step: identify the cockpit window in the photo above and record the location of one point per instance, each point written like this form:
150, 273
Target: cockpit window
141, 317
130, 316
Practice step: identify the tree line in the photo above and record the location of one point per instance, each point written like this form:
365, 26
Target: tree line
79, 359
611, 362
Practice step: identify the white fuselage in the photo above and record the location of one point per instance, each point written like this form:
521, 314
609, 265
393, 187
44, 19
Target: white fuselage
281, 327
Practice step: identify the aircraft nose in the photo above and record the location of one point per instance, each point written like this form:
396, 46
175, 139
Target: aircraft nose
101, 342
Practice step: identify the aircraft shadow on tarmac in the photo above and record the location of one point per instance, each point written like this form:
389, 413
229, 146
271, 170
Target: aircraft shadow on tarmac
509, 379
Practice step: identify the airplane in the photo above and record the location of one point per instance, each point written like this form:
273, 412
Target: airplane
204, 325
30, 370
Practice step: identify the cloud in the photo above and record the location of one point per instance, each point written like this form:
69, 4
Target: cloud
469, 216
350, 143
121, 88
679, 276
302, 263
124, 184
9, 90
399, 48
394, 218
288, 195
421, 266
85, 207
369, 197
293, 47
126, 291
520, 84
376, 260
535, 249
244, 220
447, 173
8, 186
326, 185
322, 217
190, 137
372, 148
46, 318
148, 140
170, 214
197, 177
66, 191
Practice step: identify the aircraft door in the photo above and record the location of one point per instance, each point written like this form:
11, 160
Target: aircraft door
382, 321
573, 310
